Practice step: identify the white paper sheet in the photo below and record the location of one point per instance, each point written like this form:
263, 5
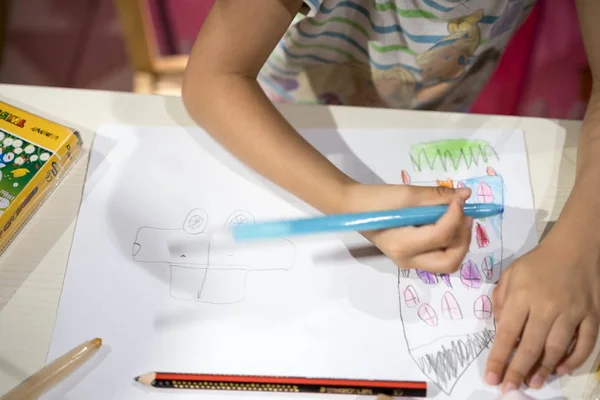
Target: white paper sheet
146, 275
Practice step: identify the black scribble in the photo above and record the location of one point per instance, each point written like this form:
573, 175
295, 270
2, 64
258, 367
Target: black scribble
196, 221
193, 273
446, 365
239, 217
199, 298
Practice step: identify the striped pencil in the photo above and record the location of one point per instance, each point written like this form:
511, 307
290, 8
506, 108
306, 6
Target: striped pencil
282, 384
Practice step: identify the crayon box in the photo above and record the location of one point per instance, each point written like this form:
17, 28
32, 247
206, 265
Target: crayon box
35, 153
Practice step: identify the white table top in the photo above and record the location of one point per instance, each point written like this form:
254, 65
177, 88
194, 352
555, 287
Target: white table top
33, 268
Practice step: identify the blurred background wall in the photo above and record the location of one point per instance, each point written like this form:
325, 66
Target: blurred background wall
140, 45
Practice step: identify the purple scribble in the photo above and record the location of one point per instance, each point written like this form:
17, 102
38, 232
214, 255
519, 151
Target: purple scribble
469, 275
482, 308
446, 279
450, 307
286, 83
331, 99
428, 315
487, 267
427, 277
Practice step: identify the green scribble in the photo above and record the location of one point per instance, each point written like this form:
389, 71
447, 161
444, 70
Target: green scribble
451, 153
391, 6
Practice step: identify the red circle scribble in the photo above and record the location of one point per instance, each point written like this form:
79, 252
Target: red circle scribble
482, 308
481, 235
410, 297
428, 315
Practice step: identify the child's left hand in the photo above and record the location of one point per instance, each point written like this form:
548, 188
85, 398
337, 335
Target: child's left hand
543, 302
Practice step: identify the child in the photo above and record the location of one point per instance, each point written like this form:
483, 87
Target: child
418, 54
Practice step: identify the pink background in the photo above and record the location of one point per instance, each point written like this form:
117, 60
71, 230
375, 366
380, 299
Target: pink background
183, 20
545, 83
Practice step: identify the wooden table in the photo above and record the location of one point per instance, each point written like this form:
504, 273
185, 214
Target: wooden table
33, 268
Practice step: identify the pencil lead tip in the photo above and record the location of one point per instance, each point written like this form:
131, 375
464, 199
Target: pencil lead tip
137, 378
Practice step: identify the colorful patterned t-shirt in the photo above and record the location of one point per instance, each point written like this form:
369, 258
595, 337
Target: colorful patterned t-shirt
418, 54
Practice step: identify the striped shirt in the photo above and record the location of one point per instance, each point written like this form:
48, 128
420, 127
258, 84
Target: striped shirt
416, 54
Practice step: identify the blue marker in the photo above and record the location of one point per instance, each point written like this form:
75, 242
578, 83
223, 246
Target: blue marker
358, 222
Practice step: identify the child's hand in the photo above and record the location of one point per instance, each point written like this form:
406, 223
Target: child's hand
438, 248
544, 301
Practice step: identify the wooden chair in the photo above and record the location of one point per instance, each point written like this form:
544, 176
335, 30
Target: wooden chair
154, 73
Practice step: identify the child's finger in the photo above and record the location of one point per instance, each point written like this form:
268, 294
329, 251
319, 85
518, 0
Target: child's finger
529, 350
436, 262
434, 195
446, 261
584, 344
505, 340
438, 236
460, 246
499, 293
557, 345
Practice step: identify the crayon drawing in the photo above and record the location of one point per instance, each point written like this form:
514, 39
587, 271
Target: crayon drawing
451, 154
433, 304
203, 267
147, 248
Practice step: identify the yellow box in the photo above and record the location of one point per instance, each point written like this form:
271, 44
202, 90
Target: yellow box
35, 153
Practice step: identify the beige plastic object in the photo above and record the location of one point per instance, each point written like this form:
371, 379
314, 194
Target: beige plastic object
53, 373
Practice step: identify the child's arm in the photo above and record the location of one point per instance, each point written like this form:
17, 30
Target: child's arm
222, 95
547, 303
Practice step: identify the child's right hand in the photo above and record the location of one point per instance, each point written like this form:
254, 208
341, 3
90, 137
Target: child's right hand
438, 248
